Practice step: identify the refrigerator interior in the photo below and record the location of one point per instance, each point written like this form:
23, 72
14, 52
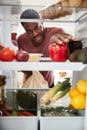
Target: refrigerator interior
74, 24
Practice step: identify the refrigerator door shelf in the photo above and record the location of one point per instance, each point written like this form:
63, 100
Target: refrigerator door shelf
62, 123
18, 123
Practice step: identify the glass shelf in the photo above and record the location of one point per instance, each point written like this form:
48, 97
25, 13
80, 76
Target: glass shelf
41, 66
77, 13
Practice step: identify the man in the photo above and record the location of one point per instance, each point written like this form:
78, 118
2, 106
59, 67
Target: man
36, 39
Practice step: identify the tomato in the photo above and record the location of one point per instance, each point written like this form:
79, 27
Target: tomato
7, 54
58, 52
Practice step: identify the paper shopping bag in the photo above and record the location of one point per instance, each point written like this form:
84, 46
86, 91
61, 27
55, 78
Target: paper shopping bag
36, 80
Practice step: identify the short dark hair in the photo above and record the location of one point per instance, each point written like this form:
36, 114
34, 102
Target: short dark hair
30, 14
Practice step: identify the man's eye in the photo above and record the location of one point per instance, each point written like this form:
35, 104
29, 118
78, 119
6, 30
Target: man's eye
36, 28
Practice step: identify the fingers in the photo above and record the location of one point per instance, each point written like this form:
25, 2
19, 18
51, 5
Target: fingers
65, 37
68, 36
61, 38
55, 39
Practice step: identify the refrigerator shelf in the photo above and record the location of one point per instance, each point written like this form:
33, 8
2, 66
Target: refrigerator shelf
42, 65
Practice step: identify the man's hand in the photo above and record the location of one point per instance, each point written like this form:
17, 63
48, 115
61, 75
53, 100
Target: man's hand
61, 38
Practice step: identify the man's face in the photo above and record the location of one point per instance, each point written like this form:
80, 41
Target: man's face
35, 32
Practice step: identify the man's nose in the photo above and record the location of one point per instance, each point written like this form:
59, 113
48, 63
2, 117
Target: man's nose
35, 33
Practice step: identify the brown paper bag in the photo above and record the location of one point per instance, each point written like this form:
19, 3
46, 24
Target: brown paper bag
36, 80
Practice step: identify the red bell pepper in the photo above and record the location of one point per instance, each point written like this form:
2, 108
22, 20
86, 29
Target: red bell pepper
58, 52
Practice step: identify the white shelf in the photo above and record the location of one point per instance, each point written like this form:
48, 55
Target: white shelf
41, 66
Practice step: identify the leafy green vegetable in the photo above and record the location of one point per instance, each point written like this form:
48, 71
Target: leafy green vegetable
59, 95
63, 86
27, 99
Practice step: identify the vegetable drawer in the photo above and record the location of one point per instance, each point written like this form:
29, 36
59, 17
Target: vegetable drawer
18, 123
62, 123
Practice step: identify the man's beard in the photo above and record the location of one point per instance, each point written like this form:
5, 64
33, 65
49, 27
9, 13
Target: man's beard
38, 42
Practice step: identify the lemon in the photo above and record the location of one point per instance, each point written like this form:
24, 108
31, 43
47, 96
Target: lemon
82, 86
73, 92
79, 102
